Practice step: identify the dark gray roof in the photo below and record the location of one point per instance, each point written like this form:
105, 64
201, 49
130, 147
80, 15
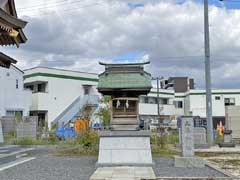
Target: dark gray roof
6, 61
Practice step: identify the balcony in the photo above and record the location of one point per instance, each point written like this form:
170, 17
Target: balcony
39, 101
151, 109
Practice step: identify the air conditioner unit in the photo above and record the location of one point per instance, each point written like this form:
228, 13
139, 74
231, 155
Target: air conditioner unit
165, 84
154, 121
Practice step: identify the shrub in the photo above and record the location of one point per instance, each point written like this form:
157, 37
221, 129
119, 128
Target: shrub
85, 144
53, 139
88, 139
159, 140
173, 138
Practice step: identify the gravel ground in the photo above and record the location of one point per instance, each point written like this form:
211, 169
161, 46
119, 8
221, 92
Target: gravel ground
47, 167
52, 168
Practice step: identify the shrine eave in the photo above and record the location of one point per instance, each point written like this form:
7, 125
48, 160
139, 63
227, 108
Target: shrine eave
6, 61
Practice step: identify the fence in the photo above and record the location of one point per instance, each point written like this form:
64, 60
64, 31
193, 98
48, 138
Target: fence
8, 124
26, 127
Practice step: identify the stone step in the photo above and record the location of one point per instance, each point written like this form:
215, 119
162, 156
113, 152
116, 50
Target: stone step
125, 127
124, 116
123, 173
125, 122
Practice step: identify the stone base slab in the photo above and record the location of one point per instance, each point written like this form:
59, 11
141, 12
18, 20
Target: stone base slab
118, 149
189, 162
123, 173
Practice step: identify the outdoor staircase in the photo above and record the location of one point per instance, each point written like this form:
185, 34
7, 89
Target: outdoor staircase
76, 109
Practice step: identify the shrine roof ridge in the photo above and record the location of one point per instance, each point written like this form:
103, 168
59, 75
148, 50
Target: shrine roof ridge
124, 64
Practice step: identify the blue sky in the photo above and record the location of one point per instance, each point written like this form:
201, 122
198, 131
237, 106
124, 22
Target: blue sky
130, 56
229, 4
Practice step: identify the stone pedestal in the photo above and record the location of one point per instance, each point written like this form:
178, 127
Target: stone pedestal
119, 148
227, 139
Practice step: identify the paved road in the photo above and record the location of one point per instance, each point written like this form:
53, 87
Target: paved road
48, 167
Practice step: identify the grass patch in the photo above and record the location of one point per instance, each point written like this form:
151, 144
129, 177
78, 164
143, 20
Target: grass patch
173, 138
9, 137
168, 151
228, 162
30, 141
85, 144
74, 150
51, 140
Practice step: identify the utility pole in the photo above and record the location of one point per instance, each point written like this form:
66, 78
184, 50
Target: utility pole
158, 102
208, 76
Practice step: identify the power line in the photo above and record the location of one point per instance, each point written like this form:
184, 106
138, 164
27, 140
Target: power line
62, 11
42, 5
53, 6
171, 59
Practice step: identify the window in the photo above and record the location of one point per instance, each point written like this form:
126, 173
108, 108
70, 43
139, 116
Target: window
229, 101
146, 100
30, 87
14, 113
41, 87
178, 104
164, 101
17, 84
217, 97
86, 89
152, 100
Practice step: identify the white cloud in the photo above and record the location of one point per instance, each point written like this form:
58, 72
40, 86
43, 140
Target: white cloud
78, 35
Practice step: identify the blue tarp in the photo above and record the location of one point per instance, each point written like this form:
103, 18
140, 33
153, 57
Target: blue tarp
65, 132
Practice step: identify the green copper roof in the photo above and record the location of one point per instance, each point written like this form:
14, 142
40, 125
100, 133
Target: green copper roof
125, 80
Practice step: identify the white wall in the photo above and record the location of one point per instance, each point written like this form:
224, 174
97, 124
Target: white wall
198, 101
61, 91
11, 98
151, 109
194, 102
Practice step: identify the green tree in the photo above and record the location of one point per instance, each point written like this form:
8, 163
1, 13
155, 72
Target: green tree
104, 112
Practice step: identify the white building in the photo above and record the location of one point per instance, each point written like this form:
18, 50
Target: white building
59, 95
190, 103
13, 97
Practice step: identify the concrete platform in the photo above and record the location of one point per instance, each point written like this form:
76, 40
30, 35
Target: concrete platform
123, 173
125, 148
189, 162
217, 149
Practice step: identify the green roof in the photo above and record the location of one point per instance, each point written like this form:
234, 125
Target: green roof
125, 80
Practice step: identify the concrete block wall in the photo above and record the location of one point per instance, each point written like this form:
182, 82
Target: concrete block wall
27, 128
8, 124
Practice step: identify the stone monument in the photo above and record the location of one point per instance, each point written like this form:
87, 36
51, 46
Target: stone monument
124, 143
200, 137
187, 145
227, 139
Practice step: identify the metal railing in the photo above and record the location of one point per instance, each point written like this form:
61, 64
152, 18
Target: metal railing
75, 108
